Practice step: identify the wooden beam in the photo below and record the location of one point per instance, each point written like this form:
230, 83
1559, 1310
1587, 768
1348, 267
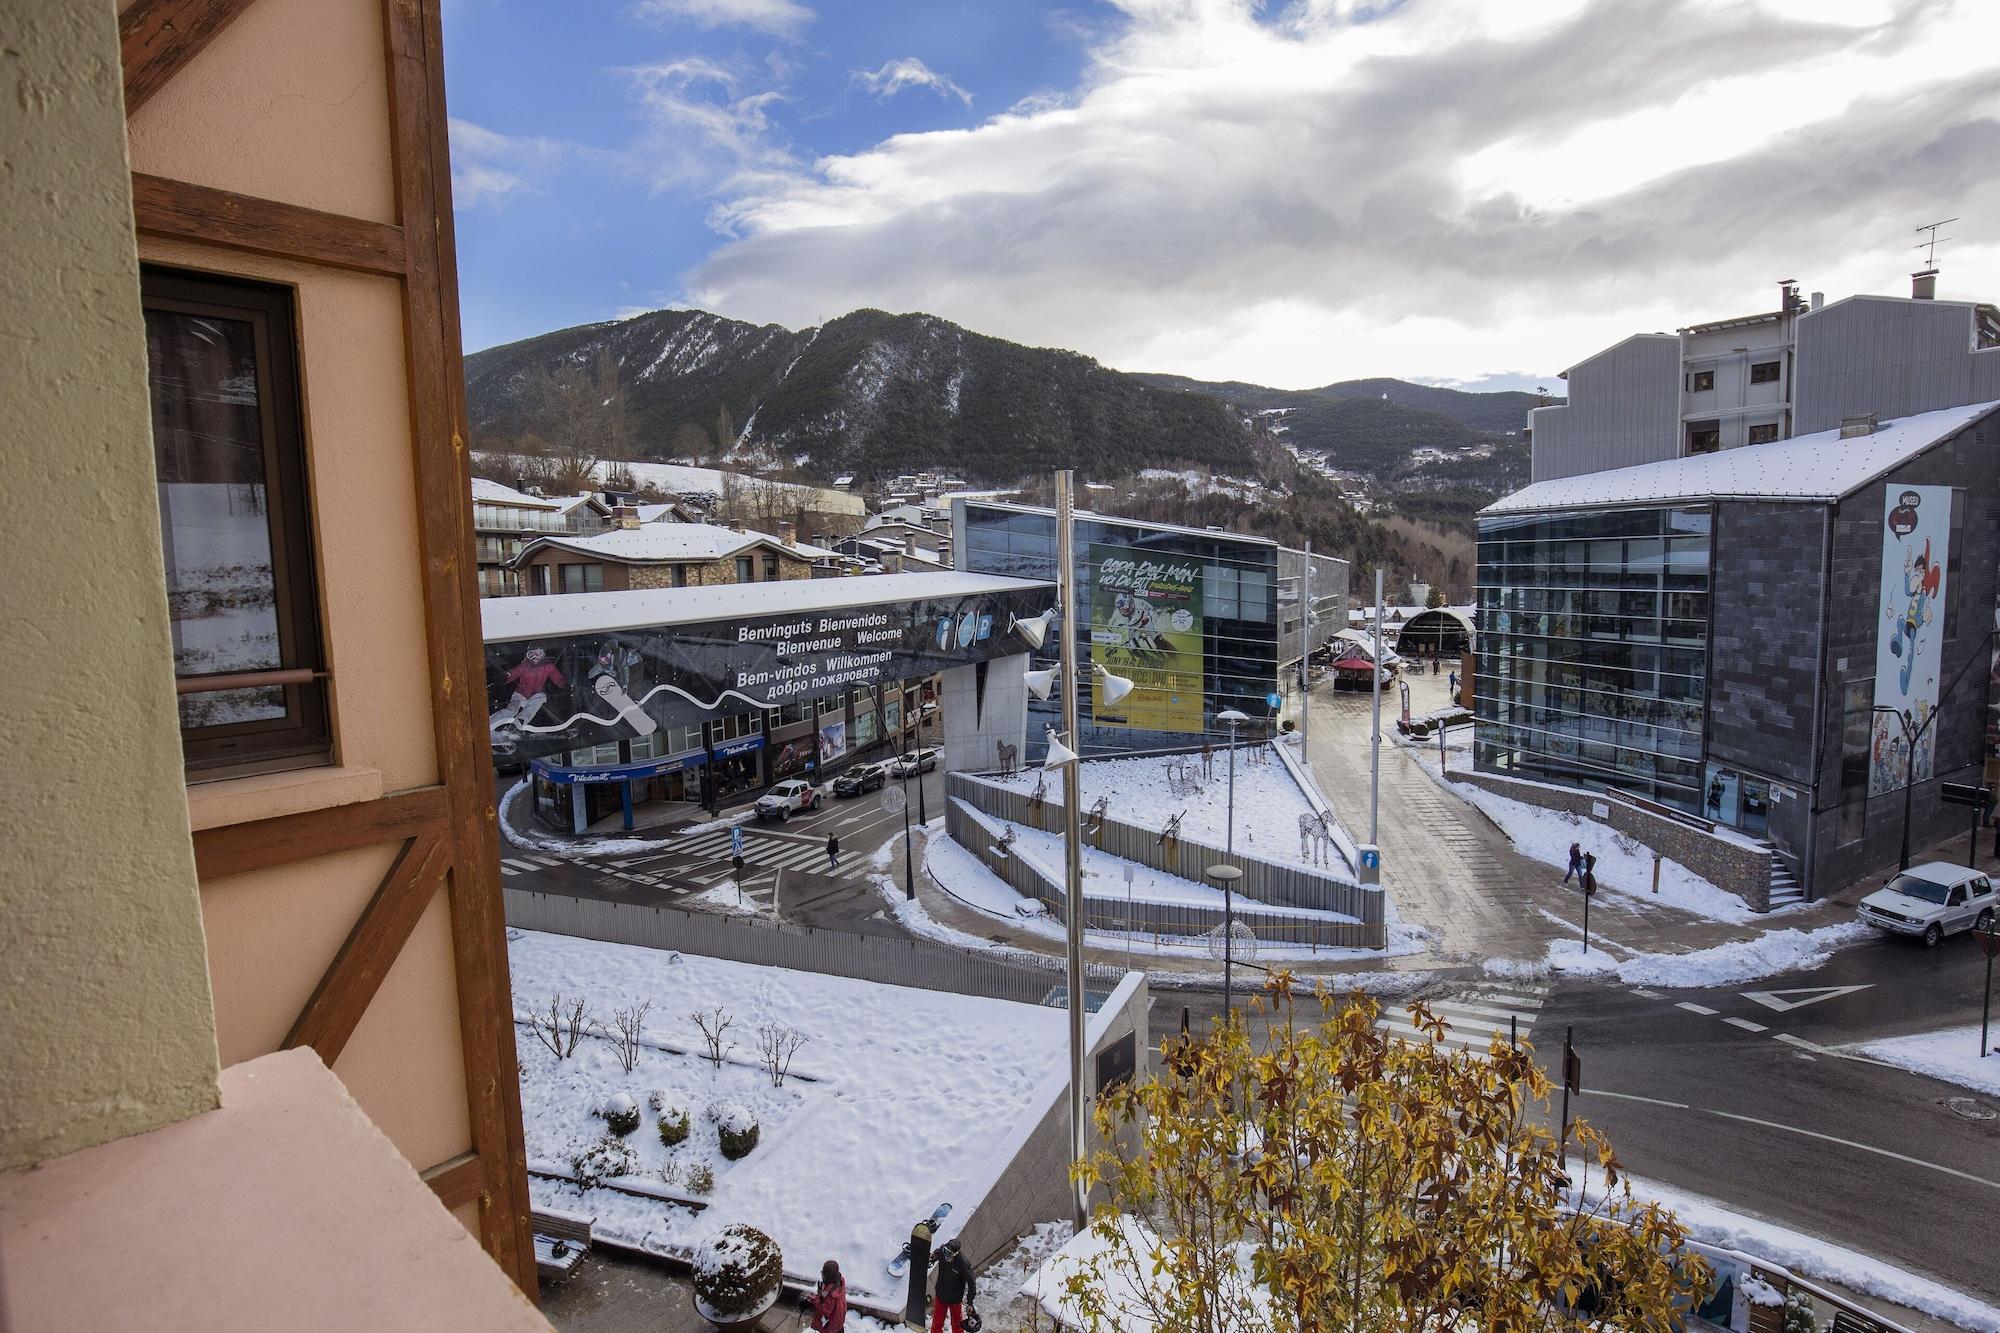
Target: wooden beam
240, 848
439, 432
459, 1181
177, 211
371, 947
157, 39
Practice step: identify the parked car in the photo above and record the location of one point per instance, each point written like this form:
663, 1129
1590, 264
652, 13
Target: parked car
913, 762
861, 778
786, 799
1932, 900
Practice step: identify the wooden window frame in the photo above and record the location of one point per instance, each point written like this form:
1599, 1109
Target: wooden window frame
303, 738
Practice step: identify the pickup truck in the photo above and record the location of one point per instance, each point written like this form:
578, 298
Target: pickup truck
789, 797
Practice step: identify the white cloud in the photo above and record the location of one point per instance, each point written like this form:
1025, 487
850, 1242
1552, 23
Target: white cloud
487, 166
1442, 189
707, 129
782, 18
908, 72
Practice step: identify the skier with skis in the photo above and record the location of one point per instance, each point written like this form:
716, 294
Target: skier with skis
956, 1288
828, 1302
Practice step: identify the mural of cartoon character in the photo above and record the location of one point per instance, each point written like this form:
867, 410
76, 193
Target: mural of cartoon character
529, 679
1922, 579
609, 676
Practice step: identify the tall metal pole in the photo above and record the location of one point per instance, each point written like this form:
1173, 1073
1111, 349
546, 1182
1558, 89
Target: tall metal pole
1306, 657
1375, 745
1079, 1126
1228, 887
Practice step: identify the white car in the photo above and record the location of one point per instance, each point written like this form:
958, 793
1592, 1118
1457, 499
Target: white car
786, 799
1932, 900
913, 762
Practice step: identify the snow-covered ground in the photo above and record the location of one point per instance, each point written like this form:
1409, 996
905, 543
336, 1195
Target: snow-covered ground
1950, 1054
911, 1090
1765, 955
1268, 802
1545, 836
537, 840
1814, 1259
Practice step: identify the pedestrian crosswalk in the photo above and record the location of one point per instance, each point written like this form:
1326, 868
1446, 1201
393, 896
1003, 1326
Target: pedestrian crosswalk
704, 858
1471, 1018
527, 863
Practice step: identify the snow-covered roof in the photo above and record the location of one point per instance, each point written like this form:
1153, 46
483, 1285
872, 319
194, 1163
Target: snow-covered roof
507, 619
654, 543
666, 513
1143, 523
1818, 467
566, 503
493, 493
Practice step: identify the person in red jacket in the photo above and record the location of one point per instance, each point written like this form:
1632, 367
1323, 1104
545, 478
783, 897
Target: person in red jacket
829, 1303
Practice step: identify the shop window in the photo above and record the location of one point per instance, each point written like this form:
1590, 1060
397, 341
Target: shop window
1764, 434
1764, 372
589, 755
230, 461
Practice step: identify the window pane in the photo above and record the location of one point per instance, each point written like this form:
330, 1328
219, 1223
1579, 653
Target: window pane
209, 451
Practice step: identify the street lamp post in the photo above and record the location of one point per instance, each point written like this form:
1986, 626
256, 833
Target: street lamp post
1234, 720
1227, 876
1913, 735
1375, 743
1072, 843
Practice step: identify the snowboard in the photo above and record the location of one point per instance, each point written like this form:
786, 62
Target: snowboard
629, 712
901, 1263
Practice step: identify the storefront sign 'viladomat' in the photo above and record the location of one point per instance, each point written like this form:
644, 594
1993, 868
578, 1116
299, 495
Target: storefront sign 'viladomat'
550, 695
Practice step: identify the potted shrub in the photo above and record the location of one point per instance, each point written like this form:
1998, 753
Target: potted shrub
621, 1113
738, 1273
735, 1129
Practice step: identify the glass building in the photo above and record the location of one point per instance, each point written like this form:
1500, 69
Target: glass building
1593, 633
1227, 656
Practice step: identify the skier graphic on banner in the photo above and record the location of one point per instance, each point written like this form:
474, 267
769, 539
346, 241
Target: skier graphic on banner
1916, 548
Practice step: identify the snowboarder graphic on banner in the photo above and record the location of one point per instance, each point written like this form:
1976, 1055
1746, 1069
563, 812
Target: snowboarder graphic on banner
607, 682
827, 1303
956, 1288
1575, 862
530, 680
832, 853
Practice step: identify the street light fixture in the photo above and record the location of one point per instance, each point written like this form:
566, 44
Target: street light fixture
1042, 683
1035, 629
1226, 876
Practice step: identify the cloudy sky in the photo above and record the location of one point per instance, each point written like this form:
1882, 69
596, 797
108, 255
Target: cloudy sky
1465, 191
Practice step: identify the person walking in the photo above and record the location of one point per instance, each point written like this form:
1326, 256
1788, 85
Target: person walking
1452, 682
956, 1287
832, 853
1575, 862
828, 1302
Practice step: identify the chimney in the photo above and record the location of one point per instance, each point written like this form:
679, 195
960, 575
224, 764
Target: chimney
1818, 300
909, 543
735, 525
788, 532
625, 516
1855, 427
1923, 284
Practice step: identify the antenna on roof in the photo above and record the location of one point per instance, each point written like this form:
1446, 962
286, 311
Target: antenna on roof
1929, 244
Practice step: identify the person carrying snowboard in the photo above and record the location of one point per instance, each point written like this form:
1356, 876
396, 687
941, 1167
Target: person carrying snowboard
1575, 862
956, 1287
828, 1302
832, 853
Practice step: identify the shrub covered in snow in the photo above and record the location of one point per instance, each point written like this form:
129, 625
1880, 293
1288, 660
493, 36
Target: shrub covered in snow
673, 1125
737, 1273
600, 1161
735, 1129
621, 1113
701, 1178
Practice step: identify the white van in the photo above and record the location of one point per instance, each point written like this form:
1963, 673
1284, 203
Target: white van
1932, 900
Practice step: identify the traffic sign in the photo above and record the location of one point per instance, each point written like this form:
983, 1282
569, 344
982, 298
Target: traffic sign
736, 842
1274, 698
1371, 859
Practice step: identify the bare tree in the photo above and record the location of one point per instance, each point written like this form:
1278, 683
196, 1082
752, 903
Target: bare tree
626, 1027
777, 1043
581, 418
562, 1025
713, 1022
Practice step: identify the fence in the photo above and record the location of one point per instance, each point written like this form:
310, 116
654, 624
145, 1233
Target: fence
1263, 881
889, 960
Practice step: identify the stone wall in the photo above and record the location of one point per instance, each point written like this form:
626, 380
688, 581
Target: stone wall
1727, 864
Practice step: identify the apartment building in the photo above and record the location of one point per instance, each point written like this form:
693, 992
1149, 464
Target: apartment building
505, 518
661, 555
1757, 378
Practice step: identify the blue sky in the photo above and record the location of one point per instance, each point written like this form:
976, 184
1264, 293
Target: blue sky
594, 233
1291, 192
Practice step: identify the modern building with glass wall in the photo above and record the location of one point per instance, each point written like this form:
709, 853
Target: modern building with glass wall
1772, 641
1198, 619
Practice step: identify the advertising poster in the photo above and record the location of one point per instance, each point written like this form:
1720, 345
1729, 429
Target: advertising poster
832, 742
1916, 534
1145, 624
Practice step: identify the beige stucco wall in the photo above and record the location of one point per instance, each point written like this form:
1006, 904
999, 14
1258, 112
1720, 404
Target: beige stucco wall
105, 1022
290, 103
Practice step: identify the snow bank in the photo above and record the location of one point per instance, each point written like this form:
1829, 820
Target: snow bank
1723, 965
1950, 1054
908, 1086
534, 840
